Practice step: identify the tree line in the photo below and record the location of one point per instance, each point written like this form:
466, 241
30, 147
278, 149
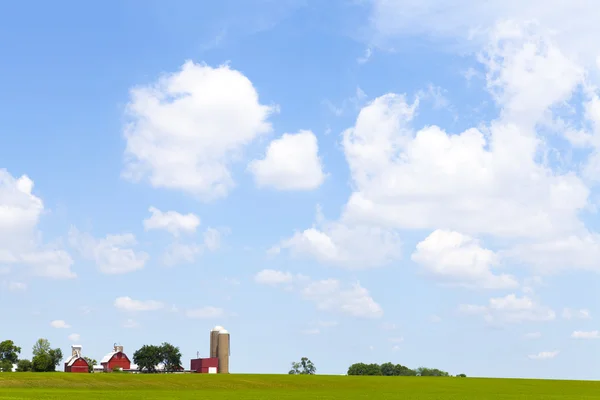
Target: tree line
47, 359
389, 369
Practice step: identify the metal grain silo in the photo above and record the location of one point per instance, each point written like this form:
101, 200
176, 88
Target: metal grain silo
214, 340
223, 351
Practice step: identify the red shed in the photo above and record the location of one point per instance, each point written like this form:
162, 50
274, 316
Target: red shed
76, 363
205, 365
115, 359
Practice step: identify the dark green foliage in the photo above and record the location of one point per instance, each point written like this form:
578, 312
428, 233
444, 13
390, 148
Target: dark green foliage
401, 370
171, 357
6, 366
42, 363
304, 367
147, 358
461, 376
91, 362
389, 369
45, 359
24, 366
8, 351
422, 371
364, 369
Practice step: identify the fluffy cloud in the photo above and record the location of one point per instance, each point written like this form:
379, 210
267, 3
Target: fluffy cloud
179, 253
273, 277
327, 294
126, 303
459, 259
585, 335
466, 24
569, 313
352, 246
188, 127
20, 211
543, 355
171, 221
205, 312
59, 324
112, 254
510, 309
74, 337
509, 181
291, 163
429, 178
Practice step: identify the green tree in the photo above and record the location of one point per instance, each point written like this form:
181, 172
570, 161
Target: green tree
304, 367
6, 366
461, 376
45, 358
147, 358
364, 369
10, 352
295, 369
401, 370
42, 363
422, 371
24, 366
388, 369
171, 357
91, 362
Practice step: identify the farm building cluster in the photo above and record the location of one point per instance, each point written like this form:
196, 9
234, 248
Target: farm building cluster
217, 362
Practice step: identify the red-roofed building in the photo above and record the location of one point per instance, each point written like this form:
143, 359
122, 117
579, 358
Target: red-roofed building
76, 363
115, 359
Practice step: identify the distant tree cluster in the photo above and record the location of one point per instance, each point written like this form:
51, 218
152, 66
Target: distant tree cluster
304, 367
148, 357
389, 369
45, 358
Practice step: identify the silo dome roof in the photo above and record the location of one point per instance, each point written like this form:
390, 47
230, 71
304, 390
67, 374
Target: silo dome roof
223, 331
218, 328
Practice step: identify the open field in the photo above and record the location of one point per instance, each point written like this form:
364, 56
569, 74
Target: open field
191, 386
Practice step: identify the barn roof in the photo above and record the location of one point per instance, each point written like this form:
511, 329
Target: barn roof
110, 355
71, 360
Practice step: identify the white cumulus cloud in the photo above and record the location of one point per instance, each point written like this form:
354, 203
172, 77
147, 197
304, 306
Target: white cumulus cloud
585, 335
113, 254
186, 129
20, 212
327, 294
460, 259
510, 309
543, 355
126, 303
291, 163
74, 337
171, 221
59, 324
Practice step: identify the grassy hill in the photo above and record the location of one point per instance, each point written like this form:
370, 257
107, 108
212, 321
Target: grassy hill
259, 387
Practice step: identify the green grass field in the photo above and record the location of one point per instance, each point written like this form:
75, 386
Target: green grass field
260, 387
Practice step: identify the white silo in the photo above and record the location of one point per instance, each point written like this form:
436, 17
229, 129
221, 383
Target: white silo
223, 351
214, 340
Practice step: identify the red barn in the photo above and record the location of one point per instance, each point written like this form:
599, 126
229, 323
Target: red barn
76, 363
205, 365
115, 359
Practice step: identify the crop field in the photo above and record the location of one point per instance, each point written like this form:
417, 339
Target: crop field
259, 387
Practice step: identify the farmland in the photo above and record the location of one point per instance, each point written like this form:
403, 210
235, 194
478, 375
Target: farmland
128, 386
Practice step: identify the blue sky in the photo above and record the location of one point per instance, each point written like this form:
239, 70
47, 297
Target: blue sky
355, 181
